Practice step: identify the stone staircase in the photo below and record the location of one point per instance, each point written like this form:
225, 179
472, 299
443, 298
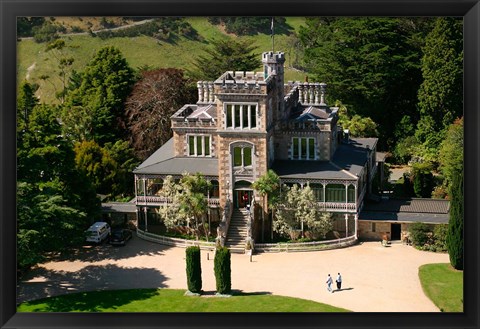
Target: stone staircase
237, 231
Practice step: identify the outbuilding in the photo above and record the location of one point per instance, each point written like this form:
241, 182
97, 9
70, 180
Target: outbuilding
393, 217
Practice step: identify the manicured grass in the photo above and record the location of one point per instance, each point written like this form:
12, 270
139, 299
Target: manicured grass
171, 300
443, 285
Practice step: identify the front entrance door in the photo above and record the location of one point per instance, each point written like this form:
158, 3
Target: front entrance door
396, 230
242, 197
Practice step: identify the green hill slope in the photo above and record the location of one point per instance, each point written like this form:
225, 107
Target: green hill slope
40, 67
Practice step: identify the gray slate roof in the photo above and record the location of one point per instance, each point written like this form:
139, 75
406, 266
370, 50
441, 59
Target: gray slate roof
348, 162
122, 207
164, 162
298, 169
407, 210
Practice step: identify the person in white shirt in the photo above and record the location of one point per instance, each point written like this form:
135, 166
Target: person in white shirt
339, 281
329, 283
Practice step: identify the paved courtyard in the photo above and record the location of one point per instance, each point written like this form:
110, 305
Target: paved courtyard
375, 278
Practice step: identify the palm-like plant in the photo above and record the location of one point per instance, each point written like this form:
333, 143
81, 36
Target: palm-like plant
193, 203
268, 186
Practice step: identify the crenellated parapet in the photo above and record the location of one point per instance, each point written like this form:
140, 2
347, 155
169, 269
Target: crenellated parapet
239, 82
270, 57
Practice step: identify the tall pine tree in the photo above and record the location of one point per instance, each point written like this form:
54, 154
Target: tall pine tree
440, 97
455, 223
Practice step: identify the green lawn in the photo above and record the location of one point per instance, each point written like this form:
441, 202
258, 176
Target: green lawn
443, 285
170, 300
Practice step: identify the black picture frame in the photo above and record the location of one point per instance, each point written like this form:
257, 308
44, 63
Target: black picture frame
9, 10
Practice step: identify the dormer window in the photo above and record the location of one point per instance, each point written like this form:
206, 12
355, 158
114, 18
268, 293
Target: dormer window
241, 116
303, 148
199, 145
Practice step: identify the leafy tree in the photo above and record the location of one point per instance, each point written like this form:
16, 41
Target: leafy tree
57, 49
170, 211
360, 127
405, 149
455, 223
109, 168
268, 186
451, 151
423, 181
96, 163
53, 198
26, 101
370, 63
250, 25
226, 55
45, 32
299, 208
192, 201
106, 83
25, 25
126, 161
155, 97
194, 269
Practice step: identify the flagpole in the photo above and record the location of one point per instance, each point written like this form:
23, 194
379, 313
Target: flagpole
273, 38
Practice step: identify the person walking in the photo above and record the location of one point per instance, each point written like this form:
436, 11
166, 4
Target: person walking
339, 281
329, 283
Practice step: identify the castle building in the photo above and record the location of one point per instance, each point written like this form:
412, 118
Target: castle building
245, 123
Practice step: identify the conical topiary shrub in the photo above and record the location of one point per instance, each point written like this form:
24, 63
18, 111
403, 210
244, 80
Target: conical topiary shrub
194, 269
223, 271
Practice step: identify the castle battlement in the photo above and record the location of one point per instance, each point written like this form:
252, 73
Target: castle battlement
271, 57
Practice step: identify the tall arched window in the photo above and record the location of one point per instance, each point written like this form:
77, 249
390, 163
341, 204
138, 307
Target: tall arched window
242, 156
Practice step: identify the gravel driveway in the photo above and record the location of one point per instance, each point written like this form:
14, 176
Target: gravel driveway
375, 278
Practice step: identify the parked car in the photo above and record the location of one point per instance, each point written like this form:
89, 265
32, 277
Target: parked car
98, 232
120, 236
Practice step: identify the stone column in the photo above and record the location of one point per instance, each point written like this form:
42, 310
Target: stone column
300, 92
312, 93
323, 88
205, 91
200, 91
317, 91
211, 97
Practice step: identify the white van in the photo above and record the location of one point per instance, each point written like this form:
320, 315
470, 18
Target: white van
98, 232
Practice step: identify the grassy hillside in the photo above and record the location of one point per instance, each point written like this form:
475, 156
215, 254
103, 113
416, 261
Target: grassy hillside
34, 64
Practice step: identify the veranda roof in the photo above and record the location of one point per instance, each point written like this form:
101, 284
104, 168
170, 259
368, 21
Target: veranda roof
163, 162
347, 163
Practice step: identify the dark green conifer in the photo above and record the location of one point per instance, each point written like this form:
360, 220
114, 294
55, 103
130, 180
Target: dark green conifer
455, 223
194, 269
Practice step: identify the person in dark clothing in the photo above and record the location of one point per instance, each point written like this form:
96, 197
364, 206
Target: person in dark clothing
339, 281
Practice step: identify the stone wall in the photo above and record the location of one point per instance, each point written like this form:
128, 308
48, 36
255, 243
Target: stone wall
381, 228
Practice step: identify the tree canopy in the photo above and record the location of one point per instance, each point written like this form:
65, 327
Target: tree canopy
155, 97
226, 55
372, 64
105, 84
